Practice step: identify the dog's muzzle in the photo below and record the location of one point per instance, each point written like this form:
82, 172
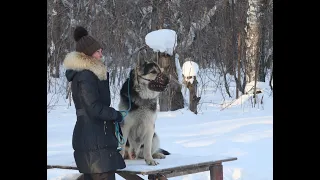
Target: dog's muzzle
160, 83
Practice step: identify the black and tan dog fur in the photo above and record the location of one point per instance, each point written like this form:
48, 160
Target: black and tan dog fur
139, 125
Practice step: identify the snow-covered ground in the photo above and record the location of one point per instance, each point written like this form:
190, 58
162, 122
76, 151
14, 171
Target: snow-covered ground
224, 127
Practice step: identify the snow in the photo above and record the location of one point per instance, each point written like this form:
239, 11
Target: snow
260, 87
171, 161
190, 68
223, 127
162, 40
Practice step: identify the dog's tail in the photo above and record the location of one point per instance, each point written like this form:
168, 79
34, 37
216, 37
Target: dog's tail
164, 152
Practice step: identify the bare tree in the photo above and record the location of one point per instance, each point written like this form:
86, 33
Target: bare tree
208, 31
172, 99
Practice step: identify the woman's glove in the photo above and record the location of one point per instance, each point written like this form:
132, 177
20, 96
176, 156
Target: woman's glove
121, 115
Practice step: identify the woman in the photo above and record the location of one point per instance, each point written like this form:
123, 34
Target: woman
94, 141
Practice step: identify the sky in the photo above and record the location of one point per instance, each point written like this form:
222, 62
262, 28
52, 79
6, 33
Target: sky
223, 127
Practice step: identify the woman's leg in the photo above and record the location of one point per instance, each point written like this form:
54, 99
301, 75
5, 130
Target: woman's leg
104, 176
87, 177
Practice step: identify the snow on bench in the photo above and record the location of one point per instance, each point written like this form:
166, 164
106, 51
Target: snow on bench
173, 165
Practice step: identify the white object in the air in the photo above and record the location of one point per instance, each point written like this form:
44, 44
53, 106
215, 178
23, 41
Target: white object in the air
162, 40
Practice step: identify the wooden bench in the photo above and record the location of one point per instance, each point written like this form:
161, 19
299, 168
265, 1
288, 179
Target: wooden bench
172, 166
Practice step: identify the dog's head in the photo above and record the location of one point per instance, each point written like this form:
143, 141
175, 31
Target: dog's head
151, 75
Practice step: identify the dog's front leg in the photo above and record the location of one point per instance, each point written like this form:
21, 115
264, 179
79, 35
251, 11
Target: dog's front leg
134, 150
125, 133
131, 152
147, 149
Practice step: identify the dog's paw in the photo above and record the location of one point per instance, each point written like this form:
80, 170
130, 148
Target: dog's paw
158, 156
151, 162
132, 156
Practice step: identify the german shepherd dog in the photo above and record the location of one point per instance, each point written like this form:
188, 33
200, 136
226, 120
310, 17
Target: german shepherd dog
138, 128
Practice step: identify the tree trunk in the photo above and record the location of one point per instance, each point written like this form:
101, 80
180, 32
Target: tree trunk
172, 99
264, 42
253, 37
238, 80
56, 38
271, 79
262, 71
193, 99
255, 82
154, 15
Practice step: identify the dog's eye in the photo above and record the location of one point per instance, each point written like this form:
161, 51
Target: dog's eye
153, 72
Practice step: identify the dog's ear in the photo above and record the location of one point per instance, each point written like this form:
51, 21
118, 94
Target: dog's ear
161, 69
141, 62
144, 63
140, 66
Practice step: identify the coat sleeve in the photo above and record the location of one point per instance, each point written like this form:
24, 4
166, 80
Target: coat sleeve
89, 96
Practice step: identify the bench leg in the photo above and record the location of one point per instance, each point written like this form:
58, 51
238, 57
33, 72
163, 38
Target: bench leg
216, 172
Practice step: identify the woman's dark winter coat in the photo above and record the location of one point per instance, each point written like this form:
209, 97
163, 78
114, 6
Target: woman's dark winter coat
94, 141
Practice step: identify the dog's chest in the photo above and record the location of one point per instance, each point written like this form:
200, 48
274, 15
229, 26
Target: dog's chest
139, 123
141, 118
145, 93
144, 115
152, 107
145, 105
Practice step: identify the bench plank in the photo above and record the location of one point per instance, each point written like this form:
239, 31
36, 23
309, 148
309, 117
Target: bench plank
173, 163
61, 167
172, 166
182, 172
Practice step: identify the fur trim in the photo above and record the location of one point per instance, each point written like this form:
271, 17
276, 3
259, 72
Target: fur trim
79, 61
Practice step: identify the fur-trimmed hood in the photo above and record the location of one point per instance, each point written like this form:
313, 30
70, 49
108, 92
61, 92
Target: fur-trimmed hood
79, 61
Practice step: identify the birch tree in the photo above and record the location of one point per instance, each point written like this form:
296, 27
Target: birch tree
253, 30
